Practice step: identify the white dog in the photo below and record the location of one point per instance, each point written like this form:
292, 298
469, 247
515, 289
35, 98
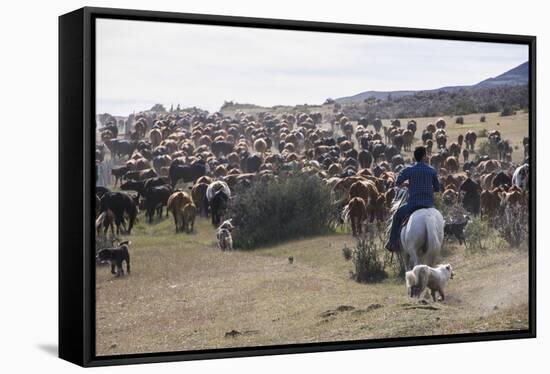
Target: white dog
422, 276
226, 225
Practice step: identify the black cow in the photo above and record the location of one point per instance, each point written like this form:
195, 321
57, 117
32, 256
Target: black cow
112, 128
141, 186
120, 203
472, 193
468, 165
426, 135
187, 172
365, 142
378, 150
391, 151
218, 206
331, 142
123, 147
502, 179
341, 139
154, 199
351, 153
250, 163
365, 159
100, 191
221, 148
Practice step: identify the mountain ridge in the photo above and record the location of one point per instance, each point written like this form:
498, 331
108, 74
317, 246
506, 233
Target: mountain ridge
516, 76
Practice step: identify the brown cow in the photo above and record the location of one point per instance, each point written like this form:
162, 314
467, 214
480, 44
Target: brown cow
451, 164
356, 212
490, 202
450, 196
105, 220
189, 213
198, 195
176, 202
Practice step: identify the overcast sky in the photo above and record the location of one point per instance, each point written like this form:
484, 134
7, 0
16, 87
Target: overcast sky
142, 63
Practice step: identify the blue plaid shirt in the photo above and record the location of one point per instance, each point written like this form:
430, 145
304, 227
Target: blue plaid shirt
423, 183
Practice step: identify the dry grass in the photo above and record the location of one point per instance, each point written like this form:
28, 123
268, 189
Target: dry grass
513, 128
185, 294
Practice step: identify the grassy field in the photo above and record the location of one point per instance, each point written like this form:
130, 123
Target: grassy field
513, 127
184, 294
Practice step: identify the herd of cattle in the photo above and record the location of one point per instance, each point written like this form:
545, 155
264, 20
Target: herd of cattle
215, 155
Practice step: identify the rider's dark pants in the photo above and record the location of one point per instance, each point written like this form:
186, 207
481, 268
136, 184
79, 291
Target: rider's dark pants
398, 218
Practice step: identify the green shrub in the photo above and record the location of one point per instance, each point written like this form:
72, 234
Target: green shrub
513, 226
488, 148
440, 204
367, 266
277, 210
483, 133
507, 111
347, 253
477, 234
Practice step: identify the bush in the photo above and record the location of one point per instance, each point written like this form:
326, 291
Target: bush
483, 133
347, 253
483, 119
507, 111
477, 235
440, 205
459, 120
513, 226
285, 208
488, 148
367, 266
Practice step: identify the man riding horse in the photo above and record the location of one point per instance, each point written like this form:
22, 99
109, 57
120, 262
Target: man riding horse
423, 182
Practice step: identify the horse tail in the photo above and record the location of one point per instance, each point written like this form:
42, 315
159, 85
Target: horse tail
433, 243
345, 213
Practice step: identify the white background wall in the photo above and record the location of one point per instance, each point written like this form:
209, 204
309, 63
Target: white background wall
28, 198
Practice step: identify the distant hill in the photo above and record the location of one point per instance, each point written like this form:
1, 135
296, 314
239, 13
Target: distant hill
515, 77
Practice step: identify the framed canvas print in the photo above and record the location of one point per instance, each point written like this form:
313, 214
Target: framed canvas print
237, 186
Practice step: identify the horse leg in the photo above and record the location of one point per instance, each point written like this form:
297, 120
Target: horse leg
174, 213
413, 260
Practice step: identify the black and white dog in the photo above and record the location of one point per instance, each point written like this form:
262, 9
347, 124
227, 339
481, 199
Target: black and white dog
223, 234
115, 257
456, 229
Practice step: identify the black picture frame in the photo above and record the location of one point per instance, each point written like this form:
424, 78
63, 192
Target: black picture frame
76, 183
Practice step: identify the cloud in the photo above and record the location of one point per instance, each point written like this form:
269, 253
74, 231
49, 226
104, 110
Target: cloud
140, 63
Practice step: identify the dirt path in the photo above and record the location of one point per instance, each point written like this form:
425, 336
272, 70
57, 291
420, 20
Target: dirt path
185, 294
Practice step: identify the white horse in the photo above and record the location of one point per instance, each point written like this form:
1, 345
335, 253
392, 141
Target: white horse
521, 176
422, 236
215, 187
